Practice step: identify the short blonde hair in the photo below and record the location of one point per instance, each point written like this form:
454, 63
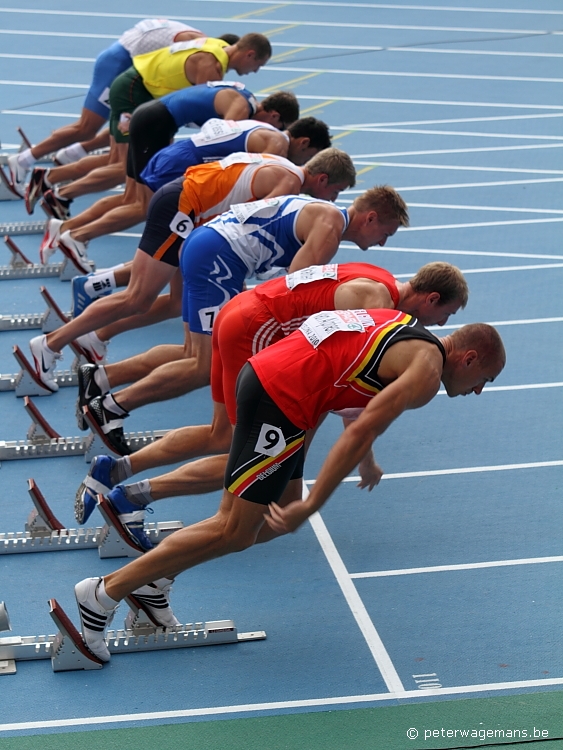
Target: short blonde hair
334, 163
386, 201
484, 339
443, 278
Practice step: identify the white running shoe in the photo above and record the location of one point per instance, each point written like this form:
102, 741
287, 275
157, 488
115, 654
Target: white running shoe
76, 249
18, 174
155, 600
50, 241
45, 362
94, 618
97, 349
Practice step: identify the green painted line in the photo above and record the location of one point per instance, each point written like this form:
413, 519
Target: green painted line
381, 728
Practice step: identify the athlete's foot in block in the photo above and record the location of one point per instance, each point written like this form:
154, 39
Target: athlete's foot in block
97, 349
94, 618
76, 250
38, 184
18, 175
45, 362
55, 206
50, 241
98, 481
131, 516
110, 425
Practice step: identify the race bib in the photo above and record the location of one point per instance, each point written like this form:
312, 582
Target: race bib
181, 225
207, 317
312, 273
215, 129
151, 23
320, 326
241, 157
104, 97
271, 441
232, 84
192, 44
243, 211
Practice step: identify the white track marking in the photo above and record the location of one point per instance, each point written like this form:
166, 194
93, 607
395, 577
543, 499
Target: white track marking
45, 84
461, 133
476, 253
277, 21
47, 57
496, 323
498, 118
454, 167
437, 151
467, 566
460, 185
496, 269
428, 102
480, 224
406, 74
463, 470
465, 207
276, 706
374, 642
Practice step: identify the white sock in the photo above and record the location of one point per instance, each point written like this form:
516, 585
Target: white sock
101, 379
162, 582
111, 404
76, 151
26, 159
106, 601
100, 283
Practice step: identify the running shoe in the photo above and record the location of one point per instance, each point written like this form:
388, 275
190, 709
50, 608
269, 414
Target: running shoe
131, 516
50, 241
76, 250
110, 426
45, 362
98, 350
18, 175
57, 207
94, 618
80, 297
87, 390
154, 600
37, 186
97, 482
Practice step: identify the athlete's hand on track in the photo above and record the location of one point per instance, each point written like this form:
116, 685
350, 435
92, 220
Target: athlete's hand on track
290, 518
370, 472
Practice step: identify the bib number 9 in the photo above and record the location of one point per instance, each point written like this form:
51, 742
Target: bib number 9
271, 441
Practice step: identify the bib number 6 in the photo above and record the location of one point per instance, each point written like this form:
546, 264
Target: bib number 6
181, 225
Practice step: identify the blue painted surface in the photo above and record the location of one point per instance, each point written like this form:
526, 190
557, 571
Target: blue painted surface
469, 627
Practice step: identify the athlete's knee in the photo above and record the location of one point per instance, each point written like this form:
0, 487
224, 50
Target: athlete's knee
233, 534
138, 300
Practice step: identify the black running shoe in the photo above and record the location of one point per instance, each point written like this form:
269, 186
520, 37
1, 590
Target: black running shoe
58, 208
87, 390
109, 426
35, 189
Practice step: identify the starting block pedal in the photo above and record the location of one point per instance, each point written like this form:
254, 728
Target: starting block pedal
72, 268
68, 652
48, 321
21, 267
45, 442
27, 383
45, 533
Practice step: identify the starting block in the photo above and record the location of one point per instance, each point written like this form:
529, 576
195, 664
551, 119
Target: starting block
45, 442
48, 321
21, 267
45, 533
68, 652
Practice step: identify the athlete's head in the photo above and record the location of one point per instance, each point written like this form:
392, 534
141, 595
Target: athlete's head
377, 214
441, 290
328, 173
307, 137
475, 356
249, 53
229, 38
280, 109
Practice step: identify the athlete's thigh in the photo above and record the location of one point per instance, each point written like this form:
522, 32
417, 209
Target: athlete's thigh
149, 276
166, 227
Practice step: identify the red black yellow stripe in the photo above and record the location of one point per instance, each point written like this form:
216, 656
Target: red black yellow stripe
249, 477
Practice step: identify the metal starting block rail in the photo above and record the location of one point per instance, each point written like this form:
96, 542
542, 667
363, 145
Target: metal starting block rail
48, 321
43, 441
21, 267
45, 533
68, 651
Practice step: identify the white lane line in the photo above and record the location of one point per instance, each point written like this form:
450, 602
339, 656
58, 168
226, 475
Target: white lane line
31, 113
495, 269
47, 57
486, 149
467, 566
430, 102
480, 224
477, 253
525, 322
45, 84
465, 207
462, 185
408, 74
498, 118
374, 642
454, 167
243, 708
278, 21
463, 470
464, 134
26, 32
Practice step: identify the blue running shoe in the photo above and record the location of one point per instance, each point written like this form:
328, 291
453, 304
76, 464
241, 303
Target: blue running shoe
130, 516
80, 298
97, 482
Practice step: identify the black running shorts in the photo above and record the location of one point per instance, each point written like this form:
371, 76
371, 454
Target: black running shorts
267, 451
151, 129
158, 240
